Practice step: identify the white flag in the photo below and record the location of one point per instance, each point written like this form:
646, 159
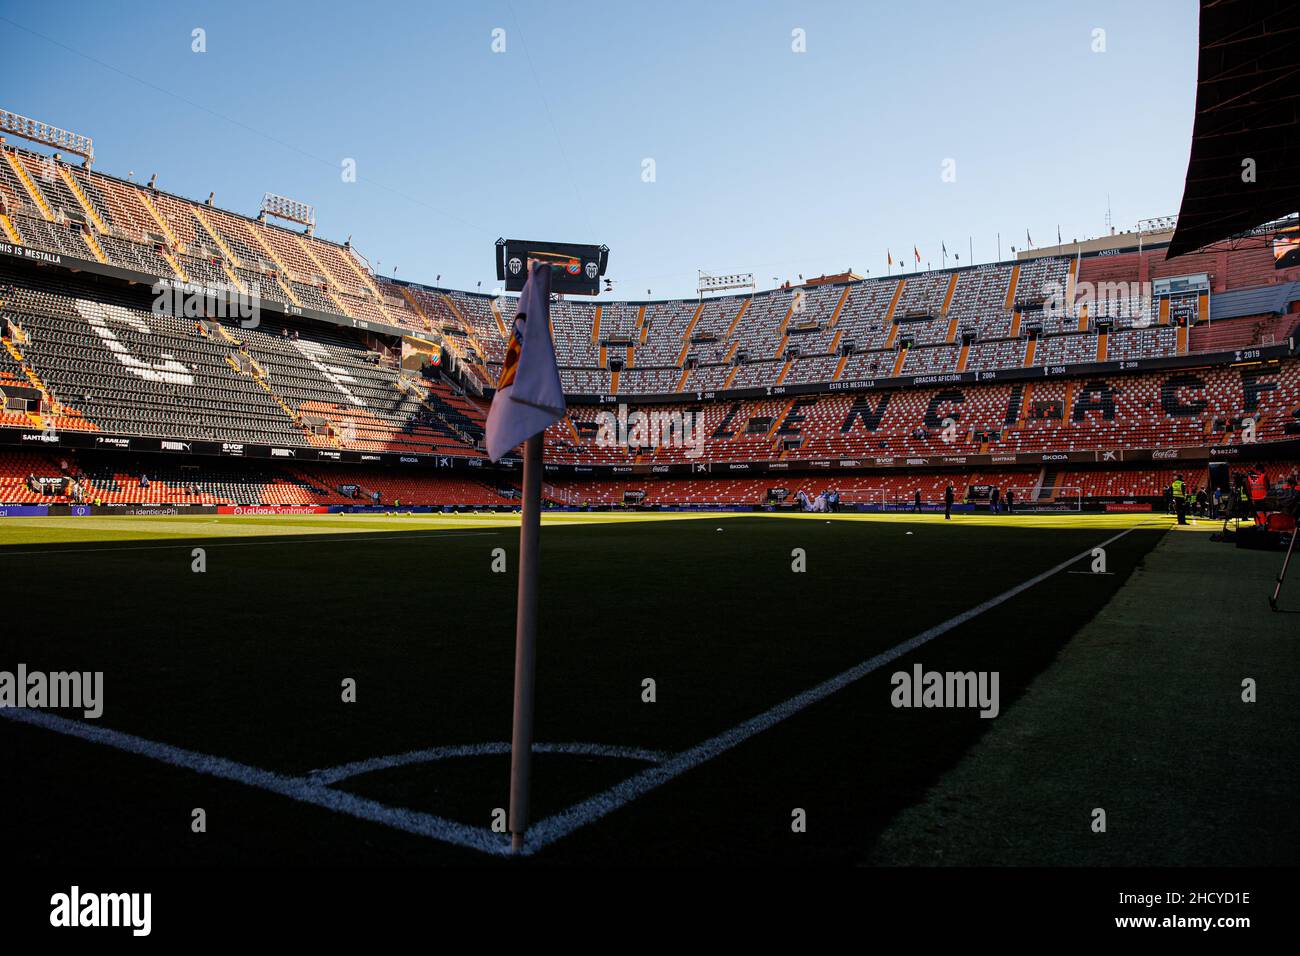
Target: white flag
529, 397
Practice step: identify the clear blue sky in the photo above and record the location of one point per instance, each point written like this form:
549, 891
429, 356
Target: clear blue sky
766, 160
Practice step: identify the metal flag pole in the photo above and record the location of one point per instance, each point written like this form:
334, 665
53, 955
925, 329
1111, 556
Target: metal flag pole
521, 740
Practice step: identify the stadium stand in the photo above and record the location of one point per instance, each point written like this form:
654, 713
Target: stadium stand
109, 364
1200, 408
89, 353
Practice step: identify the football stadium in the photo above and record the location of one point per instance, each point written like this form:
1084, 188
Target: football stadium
972, 559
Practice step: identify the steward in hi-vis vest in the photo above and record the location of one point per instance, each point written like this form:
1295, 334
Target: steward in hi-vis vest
1258, 492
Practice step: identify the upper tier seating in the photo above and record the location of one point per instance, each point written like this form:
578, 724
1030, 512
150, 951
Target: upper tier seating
794, 335
1201, 407
108, 361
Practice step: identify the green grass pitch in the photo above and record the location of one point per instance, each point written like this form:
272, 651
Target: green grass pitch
245, 662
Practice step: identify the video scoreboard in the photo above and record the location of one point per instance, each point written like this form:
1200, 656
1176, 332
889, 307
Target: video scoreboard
575, 268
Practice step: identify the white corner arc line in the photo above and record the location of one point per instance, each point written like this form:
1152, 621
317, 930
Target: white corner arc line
556, 827
333, 775
302, 789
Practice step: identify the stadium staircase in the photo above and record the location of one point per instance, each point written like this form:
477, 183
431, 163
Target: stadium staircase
475, 342
10, 230
224, 333
731, 329
174, 263
898, 362
88, 236
1048, 481
12, 348
229, 261
29, 184
261, 380
1010, 301
839, 368
686, 339
496, 315
326, 280
159, 220
423, 316
893, 304
349, 258
839, 307
166, 252
281, 270
83, 200
435, 407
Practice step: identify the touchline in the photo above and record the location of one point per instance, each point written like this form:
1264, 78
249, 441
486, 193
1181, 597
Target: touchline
54, 690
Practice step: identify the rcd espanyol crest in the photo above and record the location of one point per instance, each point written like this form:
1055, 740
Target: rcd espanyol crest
515, 265
591, 270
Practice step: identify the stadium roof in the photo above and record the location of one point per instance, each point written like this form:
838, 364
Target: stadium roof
1260, 300
1247, 108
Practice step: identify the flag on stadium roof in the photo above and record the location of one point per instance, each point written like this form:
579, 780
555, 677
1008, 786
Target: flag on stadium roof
889, 256
529, 396
916, 252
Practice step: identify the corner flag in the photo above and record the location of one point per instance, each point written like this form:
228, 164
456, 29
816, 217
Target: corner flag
529, 397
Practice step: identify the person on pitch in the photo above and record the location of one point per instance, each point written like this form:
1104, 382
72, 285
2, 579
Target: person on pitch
1178, 491
1258, 483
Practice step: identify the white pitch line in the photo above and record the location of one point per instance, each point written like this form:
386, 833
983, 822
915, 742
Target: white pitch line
302, 789
334, 775
556, 827
311, 537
